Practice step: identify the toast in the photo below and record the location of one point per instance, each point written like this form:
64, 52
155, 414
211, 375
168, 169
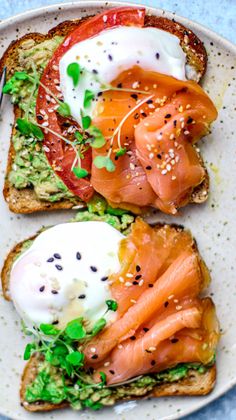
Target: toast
25, 200
195, 384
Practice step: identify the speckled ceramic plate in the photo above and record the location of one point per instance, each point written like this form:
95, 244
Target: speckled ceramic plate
213, 224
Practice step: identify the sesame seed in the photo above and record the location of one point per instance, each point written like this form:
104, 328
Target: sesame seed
170, 297
78, 255
172, 136
173, 177
167, 116
45, 124
174, 340
112, 372
178, 307
50, 259
145, 329
95, 356
54, 292
93, 269
164, 172
107, 364
186, 132
181, 109
129, 275
110, 57
188, 106
120, 346
138, 276
151, 155
138, 268
135, 85
42, 288
93, 350
104, 278
128, 284
57, 256
151, 348
133, 301
168, 167
131, 165
133, 337
150, 285
121, 279
157, 56
59, 267
82, 296
166, 304
135, 283
153, 362
55, 67
141, 282
148, 168
48, 97
159, 137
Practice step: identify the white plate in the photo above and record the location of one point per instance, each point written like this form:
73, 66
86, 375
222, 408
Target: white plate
213, 224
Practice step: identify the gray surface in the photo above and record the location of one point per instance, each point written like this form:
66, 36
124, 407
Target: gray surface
221, 17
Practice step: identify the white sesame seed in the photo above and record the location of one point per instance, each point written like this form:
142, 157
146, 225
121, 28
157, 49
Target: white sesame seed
164, 171
46, 149
107, 364
146, 124
181, 119
58, 88
151, 155
104, 18
42, 112
141, 282
178, 308
159, 137
48, 97
177, 159
55, 67
182, 125
151, 106
45, 124
188, 106
172, 136
53, 101
135, 85
56, 81
176, 300
131, 165
152, 348
170, 297
168, 167
121, 279
173, 177
93, 350
129, 275
133, 301
120, 346
128, 284
186, 132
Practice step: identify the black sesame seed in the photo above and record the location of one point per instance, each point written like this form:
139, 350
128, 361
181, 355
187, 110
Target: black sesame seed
138, 277
57, 256
168, 116
95, 356
90, 370
175, 123
153, 362
99, 93
138, 268
189, 120
174, 340
136, 116
112, 372
110, 57
59, 267
143, 114
42, 288
78, 255
148, 168
134, 96
54, 292
150, 285
82, 296
145, 329
95, 71
50, 259
159, 156
135, 283
40, 118
119, 85
94, 269
132, 337
104, 278
55, 322
150, 101
166, 304
157, 56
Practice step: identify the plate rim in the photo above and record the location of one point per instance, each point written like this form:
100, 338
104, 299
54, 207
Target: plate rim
19, 18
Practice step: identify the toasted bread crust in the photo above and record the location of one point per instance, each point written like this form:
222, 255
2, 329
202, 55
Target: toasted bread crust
25, 200
195, 384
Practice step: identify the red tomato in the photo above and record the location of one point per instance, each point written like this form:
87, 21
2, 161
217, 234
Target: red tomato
59, 154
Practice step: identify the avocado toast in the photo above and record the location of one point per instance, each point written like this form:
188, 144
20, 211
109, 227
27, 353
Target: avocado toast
47, 384
31, 184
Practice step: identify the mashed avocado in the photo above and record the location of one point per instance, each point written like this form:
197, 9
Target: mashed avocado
53, 386
30, 167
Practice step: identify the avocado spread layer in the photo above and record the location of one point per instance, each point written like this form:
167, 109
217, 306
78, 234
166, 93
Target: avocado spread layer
52, 385
30, 167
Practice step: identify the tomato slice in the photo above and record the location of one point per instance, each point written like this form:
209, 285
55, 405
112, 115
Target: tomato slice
59, 154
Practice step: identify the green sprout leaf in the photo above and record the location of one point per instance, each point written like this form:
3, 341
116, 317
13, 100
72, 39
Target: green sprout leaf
103, 378
49, 329
86, 120
79, 137
88, 97
28, 350
75, 329
112, 305
98, 326
98, 139
21, 75
64, 109
73, 70
93, 405
75, 358
80, 172
29, 129
104, 162
121, 151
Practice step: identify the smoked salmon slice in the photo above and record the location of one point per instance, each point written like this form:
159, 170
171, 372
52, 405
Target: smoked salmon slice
144, 255
161, 167
183, 278
183, 337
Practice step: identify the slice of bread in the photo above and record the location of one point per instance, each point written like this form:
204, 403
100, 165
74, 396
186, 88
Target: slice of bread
25, 200
194, 384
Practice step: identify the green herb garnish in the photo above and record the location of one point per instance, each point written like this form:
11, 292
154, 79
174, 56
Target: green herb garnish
112, 305
88, 97
80, 172
64, 109
86, 120
98, 326
29, 129
73, 70
104, 162
75, 329
98, 139
121, 151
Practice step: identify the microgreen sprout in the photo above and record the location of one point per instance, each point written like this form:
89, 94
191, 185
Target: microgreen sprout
73, 70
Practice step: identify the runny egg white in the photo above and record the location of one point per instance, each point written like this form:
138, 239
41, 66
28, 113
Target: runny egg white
64, 274
104, 57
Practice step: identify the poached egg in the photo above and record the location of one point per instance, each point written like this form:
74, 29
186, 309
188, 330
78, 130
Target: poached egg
64, 274
104, 57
